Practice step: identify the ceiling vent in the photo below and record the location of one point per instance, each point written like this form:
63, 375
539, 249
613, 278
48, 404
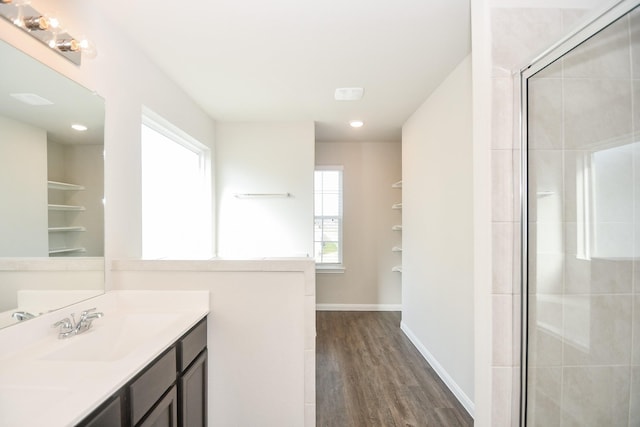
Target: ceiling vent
31, 99
349, 93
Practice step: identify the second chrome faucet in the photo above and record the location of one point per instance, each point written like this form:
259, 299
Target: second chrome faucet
70, 327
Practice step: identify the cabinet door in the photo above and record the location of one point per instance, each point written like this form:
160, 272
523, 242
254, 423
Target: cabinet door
193, 394
110, 415
165, 414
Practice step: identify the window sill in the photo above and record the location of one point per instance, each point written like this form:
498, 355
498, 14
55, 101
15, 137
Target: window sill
330, 269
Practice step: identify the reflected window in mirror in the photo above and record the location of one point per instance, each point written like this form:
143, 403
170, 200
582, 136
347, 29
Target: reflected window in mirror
176, 193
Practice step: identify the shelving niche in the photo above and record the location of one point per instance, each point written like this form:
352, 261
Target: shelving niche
397, 227
63, 230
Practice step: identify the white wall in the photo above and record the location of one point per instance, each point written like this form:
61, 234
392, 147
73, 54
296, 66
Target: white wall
23, 195
261, 334
265, 158
367, 282
437, 282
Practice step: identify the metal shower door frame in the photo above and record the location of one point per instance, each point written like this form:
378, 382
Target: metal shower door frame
600, 21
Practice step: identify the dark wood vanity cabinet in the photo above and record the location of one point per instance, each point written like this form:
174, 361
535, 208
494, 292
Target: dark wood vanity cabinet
171, 391
108, 415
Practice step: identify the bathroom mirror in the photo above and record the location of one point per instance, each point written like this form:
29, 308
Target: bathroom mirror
51, 189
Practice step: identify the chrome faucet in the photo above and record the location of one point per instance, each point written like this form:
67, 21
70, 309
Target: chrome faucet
69, 327
22, 315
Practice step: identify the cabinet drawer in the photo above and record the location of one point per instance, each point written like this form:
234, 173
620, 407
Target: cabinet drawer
151, 385
192, 344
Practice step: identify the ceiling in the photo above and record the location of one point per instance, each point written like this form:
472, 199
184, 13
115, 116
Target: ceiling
281, 60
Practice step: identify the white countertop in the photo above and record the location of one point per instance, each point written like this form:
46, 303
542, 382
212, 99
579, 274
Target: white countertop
57, 382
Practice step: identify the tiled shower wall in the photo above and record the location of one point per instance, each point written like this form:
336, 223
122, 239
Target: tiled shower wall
518, 35
582, 185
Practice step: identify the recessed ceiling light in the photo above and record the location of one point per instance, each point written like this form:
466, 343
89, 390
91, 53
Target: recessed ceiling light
348, 93
31, 99
356, 123
78, 127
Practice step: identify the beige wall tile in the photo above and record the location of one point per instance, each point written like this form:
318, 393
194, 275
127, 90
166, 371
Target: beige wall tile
634, 19
502, 240
586, 126
544, 394
595, 396
604, 56
502, 394
597, 330
513, 47
545, 186
502, 330
545, 330
544, 114
546, 273
634, 401
502, 184
502, 116
635, 351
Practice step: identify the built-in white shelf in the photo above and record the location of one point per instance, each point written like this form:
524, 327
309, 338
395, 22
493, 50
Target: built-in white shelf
66, 208
64, 229
397, 227
65, 250
545, 193
55, 185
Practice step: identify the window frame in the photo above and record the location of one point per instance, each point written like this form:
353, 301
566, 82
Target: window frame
331, 267
162, 126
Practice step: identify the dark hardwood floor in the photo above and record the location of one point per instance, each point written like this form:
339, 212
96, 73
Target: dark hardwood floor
368, 374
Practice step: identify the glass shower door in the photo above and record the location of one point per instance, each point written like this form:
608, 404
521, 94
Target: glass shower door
582, 239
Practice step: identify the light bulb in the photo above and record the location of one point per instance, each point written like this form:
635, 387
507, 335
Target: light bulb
356, 123
54, 23
87, 47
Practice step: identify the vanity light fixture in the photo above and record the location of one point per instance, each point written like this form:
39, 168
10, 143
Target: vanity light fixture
356, 123
79, 127
47, 29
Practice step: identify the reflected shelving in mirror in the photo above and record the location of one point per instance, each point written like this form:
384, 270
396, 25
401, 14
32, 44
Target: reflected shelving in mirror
53, 178
64, 186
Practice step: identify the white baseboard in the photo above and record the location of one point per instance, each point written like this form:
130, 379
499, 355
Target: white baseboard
359, 307
442, 373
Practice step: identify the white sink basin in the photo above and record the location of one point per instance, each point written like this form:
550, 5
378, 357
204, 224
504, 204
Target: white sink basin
110, 339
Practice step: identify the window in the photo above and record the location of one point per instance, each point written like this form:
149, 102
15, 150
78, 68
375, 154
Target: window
328, 216
176, 193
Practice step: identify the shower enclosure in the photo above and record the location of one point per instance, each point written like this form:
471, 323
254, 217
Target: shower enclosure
581, 227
